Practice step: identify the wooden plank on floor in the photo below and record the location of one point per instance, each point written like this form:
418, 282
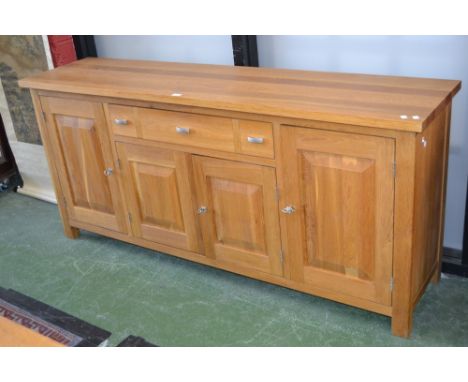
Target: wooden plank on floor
13, 334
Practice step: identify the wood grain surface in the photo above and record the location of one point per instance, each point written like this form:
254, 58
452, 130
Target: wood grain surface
13, 335
364, 100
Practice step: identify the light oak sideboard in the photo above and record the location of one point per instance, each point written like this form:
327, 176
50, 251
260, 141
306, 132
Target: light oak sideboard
327, 183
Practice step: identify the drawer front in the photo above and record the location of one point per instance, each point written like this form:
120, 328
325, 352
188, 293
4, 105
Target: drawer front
174, 127
218, 133
123, 120
256, 138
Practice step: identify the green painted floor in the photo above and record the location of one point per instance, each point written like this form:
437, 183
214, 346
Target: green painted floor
172, 302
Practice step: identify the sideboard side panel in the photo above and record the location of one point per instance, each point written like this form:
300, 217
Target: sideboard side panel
429, 202
440, 245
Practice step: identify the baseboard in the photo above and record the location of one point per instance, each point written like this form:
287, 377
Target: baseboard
452, 262
38, 194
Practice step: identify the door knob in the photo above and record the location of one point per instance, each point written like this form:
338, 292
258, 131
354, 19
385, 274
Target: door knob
202, 210
288, 210
108, 171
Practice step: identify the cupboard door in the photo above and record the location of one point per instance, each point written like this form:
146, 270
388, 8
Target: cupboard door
339, 232
84, 162
159, 192
239, 213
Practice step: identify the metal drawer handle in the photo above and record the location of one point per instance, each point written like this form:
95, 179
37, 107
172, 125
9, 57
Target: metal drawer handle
108, 171
121, 121
182, 130
254, 140
288, 210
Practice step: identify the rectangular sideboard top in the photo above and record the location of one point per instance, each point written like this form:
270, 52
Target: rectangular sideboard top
398, 103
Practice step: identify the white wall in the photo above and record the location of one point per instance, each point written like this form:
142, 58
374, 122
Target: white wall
418, 56
197, 49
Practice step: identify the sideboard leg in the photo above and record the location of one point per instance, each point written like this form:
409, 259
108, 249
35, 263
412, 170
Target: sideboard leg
71, 232
402, 307
402, 323
436, 275
448, 116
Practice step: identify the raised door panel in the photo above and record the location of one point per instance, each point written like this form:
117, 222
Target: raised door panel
341, 187
159, 190
239, 216
82, 154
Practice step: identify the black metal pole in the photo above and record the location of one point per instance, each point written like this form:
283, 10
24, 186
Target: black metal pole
244, 49
455, 261
84, 46
465, 232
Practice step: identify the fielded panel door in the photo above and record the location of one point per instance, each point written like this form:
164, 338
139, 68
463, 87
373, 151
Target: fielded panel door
337, 210
84, 162
160, 194
239, 213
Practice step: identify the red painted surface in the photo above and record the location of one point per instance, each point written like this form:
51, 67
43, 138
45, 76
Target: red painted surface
62, 50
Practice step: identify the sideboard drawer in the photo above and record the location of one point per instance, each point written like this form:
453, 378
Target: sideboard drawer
123, 120
256, 138
173, 127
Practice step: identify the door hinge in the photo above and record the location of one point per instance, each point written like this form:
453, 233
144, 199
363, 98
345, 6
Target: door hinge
44, 115
394, 169
130, 217
118, 164
281, 256
391, 284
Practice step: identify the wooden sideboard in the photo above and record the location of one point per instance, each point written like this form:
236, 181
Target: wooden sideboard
328, 183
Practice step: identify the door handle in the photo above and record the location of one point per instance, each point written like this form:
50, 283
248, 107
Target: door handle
202, 210
108, 171
288, 210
